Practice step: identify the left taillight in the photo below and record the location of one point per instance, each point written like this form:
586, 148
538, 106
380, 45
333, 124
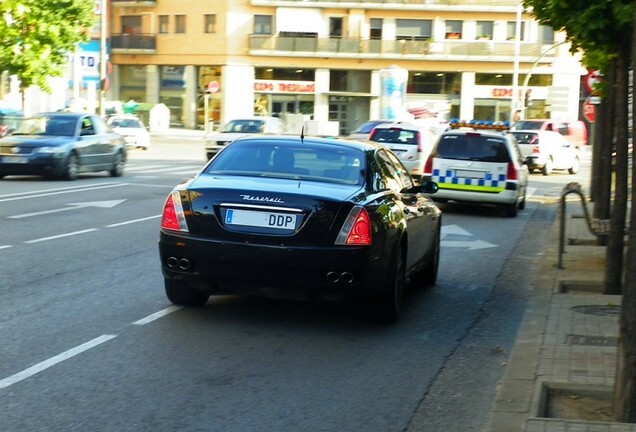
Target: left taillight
356, 230
173, 217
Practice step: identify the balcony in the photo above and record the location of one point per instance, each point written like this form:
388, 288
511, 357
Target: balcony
442, 5
133, 3
133, 44
452, 50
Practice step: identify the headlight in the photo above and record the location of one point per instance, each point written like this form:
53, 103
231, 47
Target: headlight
54, 151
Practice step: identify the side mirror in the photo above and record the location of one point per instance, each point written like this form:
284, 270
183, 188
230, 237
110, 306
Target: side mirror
429, 187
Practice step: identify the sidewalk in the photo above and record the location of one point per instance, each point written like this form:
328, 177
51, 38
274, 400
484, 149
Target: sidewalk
566, 341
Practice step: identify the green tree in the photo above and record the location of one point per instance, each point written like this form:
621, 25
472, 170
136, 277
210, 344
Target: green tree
603, 31
36, 36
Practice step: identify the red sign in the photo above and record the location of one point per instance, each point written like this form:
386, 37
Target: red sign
592, 78
589, 111
276, 86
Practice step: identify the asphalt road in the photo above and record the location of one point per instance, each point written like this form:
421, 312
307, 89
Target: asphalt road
88, 341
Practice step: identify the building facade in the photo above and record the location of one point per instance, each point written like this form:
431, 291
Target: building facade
324, 58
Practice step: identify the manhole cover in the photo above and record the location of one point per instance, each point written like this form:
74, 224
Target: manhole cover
574, 339
603, 310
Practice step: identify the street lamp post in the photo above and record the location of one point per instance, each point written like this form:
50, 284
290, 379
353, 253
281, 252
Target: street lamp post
102, 60
514, 100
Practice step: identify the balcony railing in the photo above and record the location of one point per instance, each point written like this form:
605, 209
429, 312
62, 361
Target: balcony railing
134, 3
142, 43
364, 48
365, 4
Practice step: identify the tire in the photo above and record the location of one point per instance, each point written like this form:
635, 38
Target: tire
576, 164
511, 210
428, 274
117, 169
547, 168
386, 307
180, 293
71, 171
522, 204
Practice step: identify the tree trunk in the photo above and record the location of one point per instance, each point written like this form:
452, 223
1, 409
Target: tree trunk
604, 139
614, 252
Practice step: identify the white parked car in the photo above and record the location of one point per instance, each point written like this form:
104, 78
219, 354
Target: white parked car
547, 151
237, 128
132, 129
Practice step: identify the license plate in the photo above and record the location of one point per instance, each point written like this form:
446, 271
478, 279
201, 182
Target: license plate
15, 159
261, 219
469, 174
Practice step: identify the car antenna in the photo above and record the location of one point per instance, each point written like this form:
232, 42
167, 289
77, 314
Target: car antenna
302, 134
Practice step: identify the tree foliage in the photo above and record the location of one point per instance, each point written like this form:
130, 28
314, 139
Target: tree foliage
37, 35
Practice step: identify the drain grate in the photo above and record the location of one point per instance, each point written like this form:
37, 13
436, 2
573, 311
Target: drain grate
602, 310
574, 339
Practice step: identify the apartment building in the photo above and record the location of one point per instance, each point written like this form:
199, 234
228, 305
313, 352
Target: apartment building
324, 58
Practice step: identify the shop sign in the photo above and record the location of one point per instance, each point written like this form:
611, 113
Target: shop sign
501, 92
277, 86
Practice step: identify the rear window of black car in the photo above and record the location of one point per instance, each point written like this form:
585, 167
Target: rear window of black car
394, 136
309, 161
471, 146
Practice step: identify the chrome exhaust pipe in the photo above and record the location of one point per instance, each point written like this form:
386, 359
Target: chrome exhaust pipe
172, 262
333, 277
184, 264
346, 277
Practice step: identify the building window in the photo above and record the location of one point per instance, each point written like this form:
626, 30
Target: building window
484, 29
376, 28
210, 23
263, 24
413, 29
335, 27
546, 34
164, 22
131, 24
453, 29
180, 24
512, 30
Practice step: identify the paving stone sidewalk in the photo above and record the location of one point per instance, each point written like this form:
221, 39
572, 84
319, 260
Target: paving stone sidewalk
567, 339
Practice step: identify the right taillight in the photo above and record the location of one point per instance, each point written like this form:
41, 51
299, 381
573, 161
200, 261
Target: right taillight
356, 230
173, 217
512, 171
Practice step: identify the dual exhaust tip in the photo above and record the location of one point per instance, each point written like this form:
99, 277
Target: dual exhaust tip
344, 277
178, 263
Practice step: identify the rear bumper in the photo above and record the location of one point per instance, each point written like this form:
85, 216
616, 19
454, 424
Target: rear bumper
509, 195
331, 273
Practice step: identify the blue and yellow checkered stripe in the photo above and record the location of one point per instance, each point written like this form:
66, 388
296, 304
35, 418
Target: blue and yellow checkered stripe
489, 183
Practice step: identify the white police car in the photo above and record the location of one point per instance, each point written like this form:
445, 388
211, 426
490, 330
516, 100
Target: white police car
478, 162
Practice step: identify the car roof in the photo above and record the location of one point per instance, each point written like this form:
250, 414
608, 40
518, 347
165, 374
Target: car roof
64, 114
291, 139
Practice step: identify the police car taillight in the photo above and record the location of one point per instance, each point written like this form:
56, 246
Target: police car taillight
512, 171
356, 230
173, 217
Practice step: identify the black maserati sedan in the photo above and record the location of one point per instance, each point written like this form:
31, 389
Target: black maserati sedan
301, 218
62, 144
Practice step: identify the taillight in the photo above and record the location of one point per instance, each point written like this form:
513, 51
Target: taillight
173, 217
512, 171
418, 139
428, 166
356, 229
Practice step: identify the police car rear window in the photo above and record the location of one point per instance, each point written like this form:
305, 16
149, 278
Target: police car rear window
394, 136
473, 147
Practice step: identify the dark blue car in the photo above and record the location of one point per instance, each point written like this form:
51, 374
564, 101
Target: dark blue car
62, 144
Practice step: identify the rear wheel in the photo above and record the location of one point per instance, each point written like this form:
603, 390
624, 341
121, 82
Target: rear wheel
428, 274
180, 292
72, 167
576, 164
117, 169
511, 209
386, 307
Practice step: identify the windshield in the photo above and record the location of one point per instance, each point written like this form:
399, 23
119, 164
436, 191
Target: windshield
527, 125
307, 161
245, 126
395, 136
526, 137
47, 125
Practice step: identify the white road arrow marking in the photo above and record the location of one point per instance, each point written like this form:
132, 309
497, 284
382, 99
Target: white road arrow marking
73, 206
454, 229
470, 245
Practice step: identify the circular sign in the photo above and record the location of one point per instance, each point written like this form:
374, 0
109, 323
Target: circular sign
213, 86
589, 111
592, 78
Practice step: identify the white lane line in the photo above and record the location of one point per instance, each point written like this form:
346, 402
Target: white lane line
56, 189
39, 195
188, 169
133, 221
133, 168
5, 246
6, 382
157, 315
61, 235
